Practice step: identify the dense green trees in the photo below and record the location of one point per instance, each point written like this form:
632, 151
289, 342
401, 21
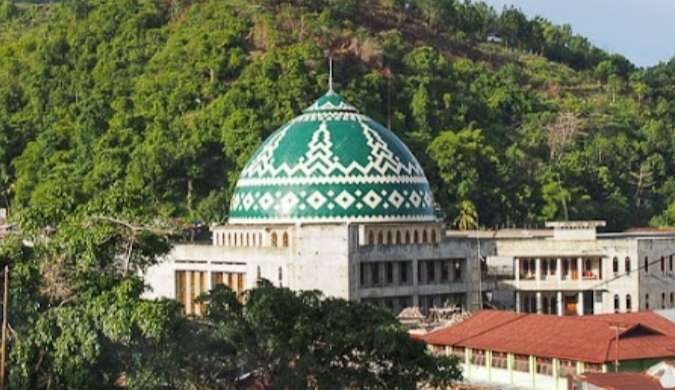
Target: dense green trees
78, 320
151, 108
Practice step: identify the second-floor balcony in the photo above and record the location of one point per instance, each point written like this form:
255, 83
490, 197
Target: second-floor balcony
547, 270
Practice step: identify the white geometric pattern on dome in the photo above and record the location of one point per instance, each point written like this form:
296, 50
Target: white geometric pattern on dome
328, 106
266, 201
345, 199
316, 200
415, 199
372, 199
264, 160
248, 201
396, 199
288, 202
319, 156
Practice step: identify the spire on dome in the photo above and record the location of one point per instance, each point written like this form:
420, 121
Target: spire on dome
330, 75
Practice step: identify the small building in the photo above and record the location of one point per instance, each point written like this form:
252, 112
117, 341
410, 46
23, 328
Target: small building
571, 269
540, 351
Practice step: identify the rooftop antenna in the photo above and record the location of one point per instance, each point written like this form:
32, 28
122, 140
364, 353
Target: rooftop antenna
330, 74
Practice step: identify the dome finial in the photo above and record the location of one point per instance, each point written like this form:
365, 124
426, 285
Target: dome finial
330, 74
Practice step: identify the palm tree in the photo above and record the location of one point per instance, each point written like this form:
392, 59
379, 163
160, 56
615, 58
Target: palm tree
468, 216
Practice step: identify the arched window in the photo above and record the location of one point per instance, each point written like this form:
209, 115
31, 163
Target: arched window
380, 238
425, 238
235, 239
616, 303
663, 300
398, 237
553, 304
615, 265
371, 238
646, 264
284, 240
544, 305
257, 273
629, 304
247, 240
670, 263
672, 299
407, 237
416, 237
433, 236
647, 301
663, 265
260, 239
627, 265
275, 239
253, 238
544, 267
389, 239
229, 239
281, 277
587, 265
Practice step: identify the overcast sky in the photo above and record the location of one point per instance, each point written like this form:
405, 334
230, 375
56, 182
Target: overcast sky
641, 30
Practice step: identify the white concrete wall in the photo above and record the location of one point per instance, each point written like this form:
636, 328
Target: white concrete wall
654, 282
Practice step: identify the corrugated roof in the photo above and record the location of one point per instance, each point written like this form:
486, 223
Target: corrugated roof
586, 338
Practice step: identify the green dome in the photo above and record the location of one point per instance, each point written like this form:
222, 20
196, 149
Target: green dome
332, 164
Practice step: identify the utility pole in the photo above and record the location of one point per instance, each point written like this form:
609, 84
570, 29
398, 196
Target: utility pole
617, 327
3, 353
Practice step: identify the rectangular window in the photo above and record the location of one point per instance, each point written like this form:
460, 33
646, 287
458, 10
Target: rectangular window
375, 273
362, 274
457, 270
431, 271
189, 286
419, 272
445, 271
404, 271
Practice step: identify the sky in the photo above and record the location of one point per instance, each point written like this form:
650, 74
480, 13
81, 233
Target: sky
641, 30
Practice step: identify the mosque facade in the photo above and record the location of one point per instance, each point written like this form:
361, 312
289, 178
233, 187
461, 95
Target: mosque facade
331, 201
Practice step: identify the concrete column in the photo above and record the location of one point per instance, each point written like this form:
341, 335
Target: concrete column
539, 305
559, 302
533, 371
467, 361
415, 284
518, 302
558, 268
509, 367
556, 372
516, 269
537, 269
580, 269
488, 361
580, 303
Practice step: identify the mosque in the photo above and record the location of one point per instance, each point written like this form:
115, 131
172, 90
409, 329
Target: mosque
336, 202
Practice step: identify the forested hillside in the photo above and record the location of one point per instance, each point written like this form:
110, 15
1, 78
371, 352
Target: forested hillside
148, 109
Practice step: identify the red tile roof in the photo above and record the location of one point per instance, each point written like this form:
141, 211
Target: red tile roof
586, 338
621, 381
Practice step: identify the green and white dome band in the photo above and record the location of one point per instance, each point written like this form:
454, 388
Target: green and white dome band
332, 164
